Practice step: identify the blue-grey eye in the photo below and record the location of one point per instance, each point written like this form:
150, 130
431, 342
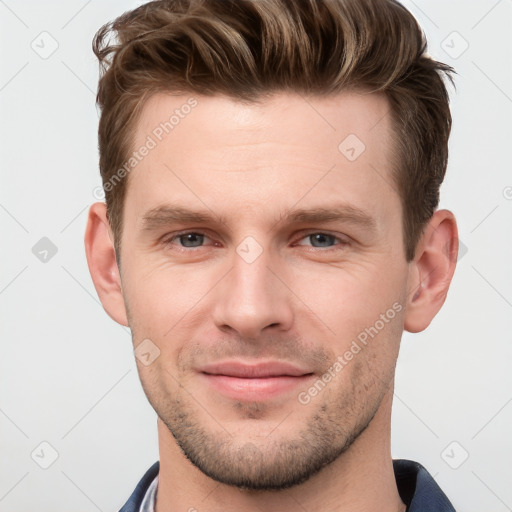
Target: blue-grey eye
191, 240
322, 240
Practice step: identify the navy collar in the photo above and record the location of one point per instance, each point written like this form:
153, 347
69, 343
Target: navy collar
418, 490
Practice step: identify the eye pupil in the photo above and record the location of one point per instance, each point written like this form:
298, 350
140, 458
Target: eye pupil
192, 240
321, 240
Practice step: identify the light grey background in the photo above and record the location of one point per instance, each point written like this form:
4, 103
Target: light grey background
67, 371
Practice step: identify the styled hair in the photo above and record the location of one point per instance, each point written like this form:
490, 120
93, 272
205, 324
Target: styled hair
250, 49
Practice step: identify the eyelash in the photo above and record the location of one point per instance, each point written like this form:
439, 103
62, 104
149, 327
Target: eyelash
341, 243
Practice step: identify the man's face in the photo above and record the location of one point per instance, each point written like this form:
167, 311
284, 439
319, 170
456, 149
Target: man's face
259, 244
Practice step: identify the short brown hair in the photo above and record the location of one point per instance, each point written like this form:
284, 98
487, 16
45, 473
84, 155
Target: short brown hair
248, 49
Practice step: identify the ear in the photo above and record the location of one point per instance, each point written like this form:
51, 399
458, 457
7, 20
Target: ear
101, 258
431, 271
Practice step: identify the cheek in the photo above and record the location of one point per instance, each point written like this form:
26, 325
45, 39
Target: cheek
348, 300
161, 295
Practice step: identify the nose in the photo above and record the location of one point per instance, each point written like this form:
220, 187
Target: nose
253, 297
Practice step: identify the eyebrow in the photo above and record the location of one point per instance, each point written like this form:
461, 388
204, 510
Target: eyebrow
168, 214
345, 213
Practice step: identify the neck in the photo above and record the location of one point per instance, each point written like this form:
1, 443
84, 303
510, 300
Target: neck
361, 479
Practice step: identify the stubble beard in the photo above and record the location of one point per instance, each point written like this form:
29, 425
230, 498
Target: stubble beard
272, 462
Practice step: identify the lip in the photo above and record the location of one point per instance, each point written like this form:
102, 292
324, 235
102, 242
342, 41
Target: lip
255, 370
254, 382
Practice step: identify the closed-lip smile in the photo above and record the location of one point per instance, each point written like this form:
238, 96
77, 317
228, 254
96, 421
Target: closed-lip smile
253, 381
255, 370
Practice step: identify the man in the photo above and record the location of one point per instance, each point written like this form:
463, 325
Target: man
272, 173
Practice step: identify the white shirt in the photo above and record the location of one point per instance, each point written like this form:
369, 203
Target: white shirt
148, 503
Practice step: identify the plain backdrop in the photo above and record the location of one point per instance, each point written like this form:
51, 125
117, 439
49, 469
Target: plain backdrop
70, 394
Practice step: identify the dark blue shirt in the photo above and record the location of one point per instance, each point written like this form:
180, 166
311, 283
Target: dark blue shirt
416, 487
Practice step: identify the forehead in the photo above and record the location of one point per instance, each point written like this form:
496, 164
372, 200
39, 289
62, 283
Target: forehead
213, 149
282, 117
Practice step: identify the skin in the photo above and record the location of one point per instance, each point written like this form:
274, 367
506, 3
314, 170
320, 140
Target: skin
304, 299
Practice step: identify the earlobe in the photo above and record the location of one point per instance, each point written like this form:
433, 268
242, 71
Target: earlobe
101, 259
431, 271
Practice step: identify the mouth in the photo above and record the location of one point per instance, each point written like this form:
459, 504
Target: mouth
254, 382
